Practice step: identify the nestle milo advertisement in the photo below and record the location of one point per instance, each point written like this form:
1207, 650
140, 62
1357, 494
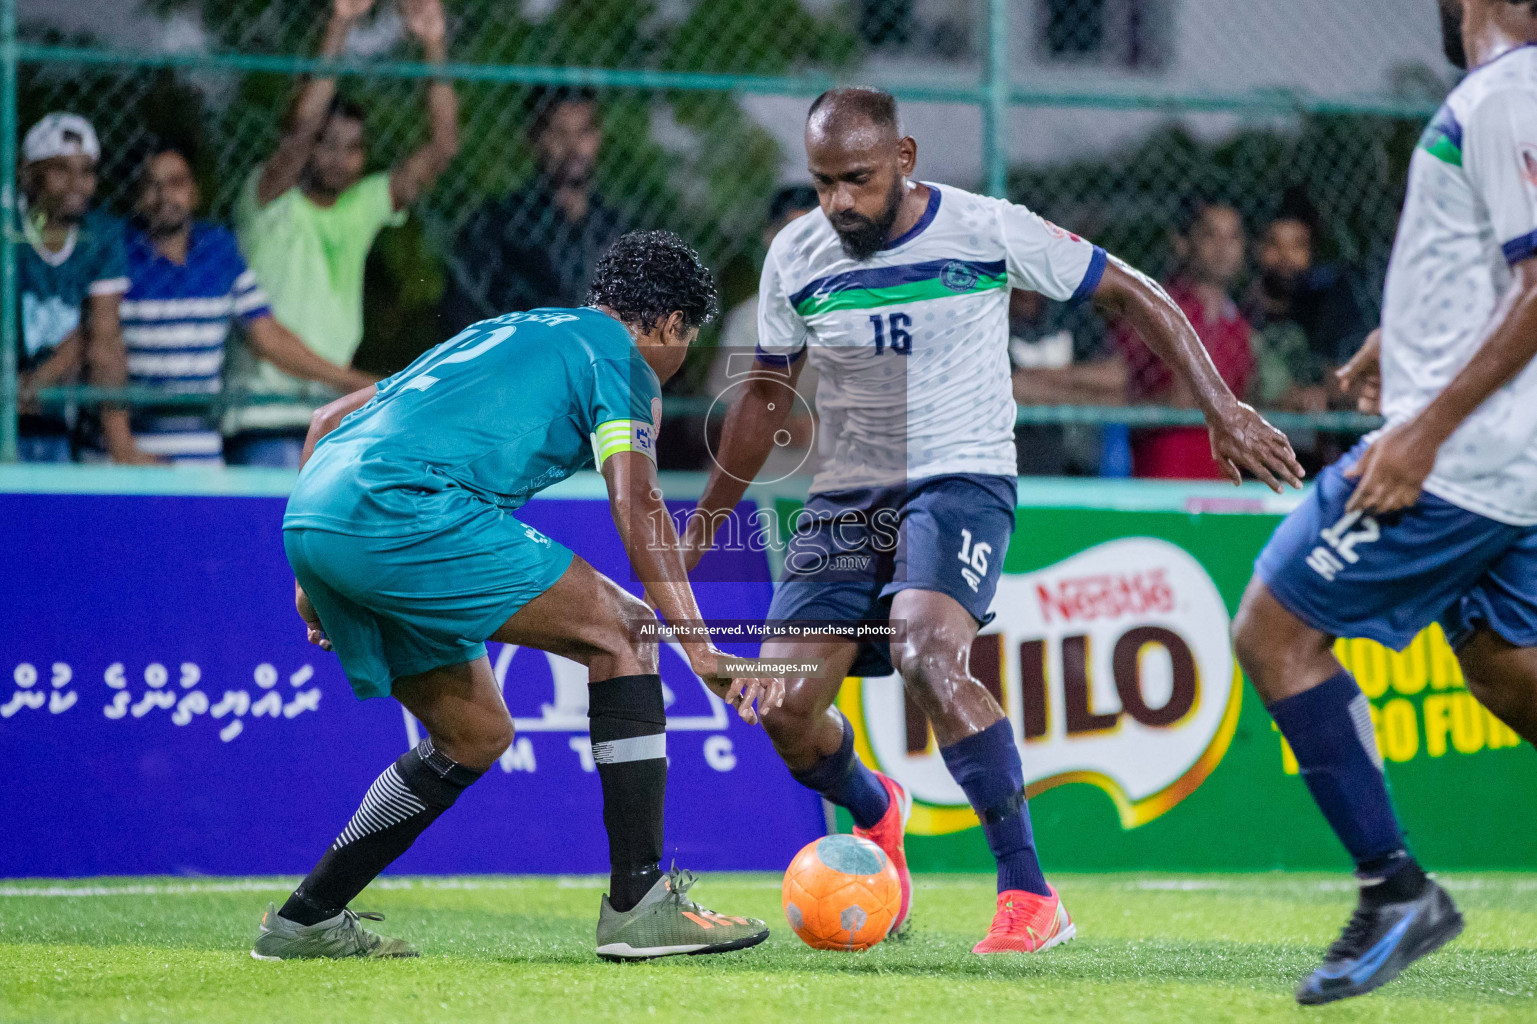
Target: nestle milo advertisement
1144, 747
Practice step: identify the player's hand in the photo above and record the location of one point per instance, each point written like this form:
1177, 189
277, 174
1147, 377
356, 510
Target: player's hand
425, 20
1362, 376
351, 10
1389, 476
315, 634
763, 692
1241, 439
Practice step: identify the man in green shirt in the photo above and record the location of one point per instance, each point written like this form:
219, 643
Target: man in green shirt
306, 219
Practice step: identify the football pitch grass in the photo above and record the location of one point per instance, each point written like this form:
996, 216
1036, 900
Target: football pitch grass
1151, 948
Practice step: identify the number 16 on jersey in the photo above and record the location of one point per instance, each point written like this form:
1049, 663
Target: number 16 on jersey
898, 323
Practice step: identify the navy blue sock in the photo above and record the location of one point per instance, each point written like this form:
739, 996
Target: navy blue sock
1330, 731
988, 768
843, 779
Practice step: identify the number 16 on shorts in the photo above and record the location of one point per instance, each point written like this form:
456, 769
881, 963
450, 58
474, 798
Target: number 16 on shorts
974, 558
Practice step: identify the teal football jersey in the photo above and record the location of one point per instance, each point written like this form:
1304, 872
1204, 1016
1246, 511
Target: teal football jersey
502, 410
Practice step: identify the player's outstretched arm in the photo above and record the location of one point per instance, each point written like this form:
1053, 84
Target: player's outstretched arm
1240, 437
746, 440
1394, 468
646, 529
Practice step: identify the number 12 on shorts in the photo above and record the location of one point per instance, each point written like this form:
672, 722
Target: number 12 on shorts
974, 559
1343, 540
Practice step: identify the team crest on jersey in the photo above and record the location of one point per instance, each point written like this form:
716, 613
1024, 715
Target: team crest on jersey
958, 276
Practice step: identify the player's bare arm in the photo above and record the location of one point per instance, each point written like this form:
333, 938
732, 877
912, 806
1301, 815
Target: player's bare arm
325, 419
307, 116
416, 174
646, 529
746, 441
1240, 437
1394, 468
1361, 377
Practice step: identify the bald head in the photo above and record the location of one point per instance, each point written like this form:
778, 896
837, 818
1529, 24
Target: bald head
860, 163
854, 110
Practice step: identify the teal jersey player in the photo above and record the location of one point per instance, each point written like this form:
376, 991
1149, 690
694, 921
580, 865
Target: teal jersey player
408, 556
435, 433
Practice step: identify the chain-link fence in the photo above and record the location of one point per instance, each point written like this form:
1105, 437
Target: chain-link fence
1108, 116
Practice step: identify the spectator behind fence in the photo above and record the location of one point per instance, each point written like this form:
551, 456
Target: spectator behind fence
71, 277
189, 285
306, 219
1210, 252
1305, 314
1060, 357
538, 245
738, 344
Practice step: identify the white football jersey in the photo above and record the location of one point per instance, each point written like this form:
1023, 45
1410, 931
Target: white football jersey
912, 345
1470, 214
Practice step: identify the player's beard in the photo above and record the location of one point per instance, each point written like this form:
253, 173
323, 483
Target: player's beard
1451, 34
863, 237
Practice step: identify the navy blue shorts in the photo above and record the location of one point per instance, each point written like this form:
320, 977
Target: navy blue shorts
1388, 577
851, 551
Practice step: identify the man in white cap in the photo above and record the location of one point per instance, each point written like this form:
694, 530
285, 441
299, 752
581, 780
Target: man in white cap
71, 276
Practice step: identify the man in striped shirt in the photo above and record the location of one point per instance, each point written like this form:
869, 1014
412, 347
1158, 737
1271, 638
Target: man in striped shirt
189, 286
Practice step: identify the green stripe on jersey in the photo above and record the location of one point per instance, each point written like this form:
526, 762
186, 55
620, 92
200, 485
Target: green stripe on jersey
917, 291
1444, 150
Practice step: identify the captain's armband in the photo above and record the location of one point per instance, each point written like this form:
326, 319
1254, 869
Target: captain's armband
617, 436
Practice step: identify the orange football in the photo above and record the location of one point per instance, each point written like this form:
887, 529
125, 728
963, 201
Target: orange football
841, 892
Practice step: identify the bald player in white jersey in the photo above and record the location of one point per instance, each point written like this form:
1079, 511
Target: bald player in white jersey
896, 291
1433, 518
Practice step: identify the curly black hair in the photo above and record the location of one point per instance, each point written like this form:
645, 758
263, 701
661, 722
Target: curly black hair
647, 275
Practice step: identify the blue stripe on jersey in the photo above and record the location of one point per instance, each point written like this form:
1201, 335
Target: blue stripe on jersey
1092, 276
1447, 124
890, 277
779, 359
1518, 249
929, 213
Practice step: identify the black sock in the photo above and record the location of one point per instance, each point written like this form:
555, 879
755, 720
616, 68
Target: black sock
406, 798
629, 743
1399, 882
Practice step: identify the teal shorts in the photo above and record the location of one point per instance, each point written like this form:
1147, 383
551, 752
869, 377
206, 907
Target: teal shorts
401, 605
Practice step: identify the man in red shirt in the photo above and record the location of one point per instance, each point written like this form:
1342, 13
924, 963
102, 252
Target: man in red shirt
1211, 255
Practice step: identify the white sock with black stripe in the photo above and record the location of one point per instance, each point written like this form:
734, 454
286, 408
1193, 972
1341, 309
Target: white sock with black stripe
405, 798
629, 744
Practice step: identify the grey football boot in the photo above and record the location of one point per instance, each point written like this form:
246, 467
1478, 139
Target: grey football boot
667, 923
334, 938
